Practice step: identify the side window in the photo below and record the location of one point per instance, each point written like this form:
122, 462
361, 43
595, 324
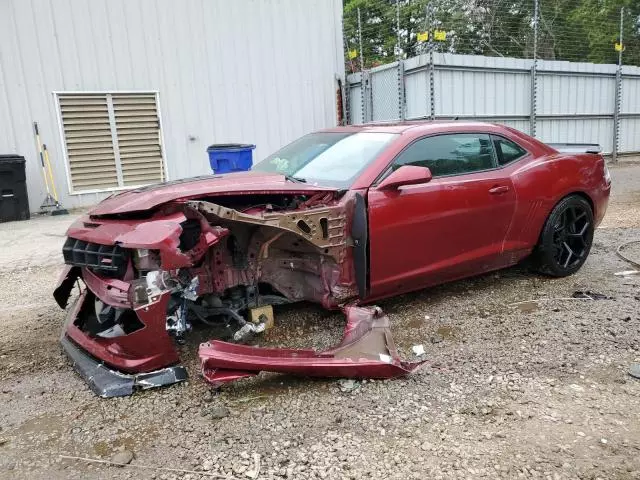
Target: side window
450, 154
507, 151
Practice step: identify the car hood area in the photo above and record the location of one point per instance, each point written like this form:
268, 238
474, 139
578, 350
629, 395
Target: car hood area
145, 198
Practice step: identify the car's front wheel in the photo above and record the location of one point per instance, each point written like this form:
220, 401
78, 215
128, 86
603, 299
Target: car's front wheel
566, 238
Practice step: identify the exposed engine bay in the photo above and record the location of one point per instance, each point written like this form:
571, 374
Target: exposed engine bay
223, 261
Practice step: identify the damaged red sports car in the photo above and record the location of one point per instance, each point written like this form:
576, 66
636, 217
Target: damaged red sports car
341, 217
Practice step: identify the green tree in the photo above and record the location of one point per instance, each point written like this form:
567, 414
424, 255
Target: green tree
600, 24
575, 30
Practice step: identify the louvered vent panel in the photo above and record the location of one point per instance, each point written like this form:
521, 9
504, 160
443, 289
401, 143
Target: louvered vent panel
87, 134
138, 132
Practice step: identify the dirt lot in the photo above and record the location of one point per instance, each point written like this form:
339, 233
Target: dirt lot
537, 390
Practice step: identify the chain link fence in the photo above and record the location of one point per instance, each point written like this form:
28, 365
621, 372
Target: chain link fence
564, 71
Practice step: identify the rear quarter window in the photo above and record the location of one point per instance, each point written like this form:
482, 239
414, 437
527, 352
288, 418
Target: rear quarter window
507, 151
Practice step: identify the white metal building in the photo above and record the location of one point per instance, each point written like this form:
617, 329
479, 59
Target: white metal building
129, 92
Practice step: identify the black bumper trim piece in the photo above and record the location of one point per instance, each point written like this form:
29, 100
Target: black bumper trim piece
107, 258
108, 383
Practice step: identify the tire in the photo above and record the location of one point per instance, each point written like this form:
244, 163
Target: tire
566, 238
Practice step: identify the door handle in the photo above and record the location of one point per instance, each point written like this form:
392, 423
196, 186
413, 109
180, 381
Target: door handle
498, 189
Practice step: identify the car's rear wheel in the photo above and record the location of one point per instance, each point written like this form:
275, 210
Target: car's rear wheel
566, 238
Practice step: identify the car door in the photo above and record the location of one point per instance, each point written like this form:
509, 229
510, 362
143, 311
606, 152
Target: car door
448, 228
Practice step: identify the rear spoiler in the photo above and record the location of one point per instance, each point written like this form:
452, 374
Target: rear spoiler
576, 147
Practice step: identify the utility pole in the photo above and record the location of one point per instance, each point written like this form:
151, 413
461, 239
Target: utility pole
432, 80
398, 28
363, 82
360, 40
618, 98
534, 71
400, 65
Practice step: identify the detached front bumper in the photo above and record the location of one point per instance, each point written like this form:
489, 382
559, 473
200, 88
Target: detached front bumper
107, 383
117, 366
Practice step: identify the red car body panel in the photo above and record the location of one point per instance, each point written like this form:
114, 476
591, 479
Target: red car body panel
464, 237
145, 350
469, 228
332, 247
146, 198
160, 232
366, 350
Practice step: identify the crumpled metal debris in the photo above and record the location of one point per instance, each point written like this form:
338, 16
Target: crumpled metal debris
367, 350
191, 291
247, 330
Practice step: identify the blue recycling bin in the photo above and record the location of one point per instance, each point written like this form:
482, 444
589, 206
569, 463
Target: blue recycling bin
230, 157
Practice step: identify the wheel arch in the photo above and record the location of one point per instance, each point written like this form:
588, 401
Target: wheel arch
582, 194
540, 254
578, 193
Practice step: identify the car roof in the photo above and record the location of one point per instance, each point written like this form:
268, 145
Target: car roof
422, 126
419, 128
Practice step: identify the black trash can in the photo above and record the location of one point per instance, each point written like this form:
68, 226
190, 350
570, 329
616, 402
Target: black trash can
14, 203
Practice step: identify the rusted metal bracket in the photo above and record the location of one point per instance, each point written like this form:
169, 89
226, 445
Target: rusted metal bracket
324, 227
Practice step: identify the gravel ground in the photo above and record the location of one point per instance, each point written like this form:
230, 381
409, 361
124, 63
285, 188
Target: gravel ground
535, 390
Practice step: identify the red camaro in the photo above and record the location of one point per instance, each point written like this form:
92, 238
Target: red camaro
341, 217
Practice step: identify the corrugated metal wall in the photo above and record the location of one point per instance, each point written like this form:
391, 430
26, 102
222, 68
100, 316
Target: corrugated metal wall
630, 123
248, 71
575, 101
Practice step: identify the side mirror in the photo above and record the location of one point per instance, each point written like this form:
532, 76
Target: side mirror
406, 175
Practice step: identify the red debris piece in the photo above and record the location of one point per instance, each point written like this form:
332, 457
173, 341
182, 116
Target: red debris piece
366, 351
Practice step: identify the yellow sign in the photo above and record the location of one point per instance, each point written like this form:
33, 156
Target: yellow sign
423, 36
619, 47
440, 35
353, 54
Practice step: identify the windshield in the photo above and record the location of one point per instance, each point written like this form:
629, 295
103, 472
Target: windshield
332, 159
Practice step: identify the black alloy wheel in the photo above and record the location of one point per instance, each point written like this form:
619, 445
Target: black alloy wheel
566, 238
